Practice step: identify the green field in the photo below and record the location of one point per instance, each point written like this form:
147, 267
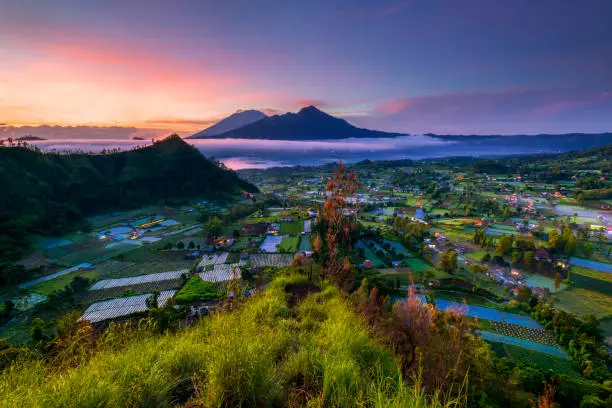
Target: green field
576, 272
59, 283
294, 227
196, 290
530, 357
475, 256
545, 283
370, 255
582, 301
417, 265
289, 244
462, 296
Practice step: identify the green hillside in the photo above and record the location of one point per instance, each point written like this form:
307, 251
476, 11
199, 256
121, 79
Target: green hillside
265, 353
47, 193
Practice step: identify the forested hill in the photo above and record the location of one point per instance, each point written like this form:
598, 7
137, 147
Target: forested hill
47, 193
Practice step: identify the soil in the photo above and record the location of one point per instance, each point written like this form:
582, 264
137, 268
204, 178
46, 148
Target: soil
298, 292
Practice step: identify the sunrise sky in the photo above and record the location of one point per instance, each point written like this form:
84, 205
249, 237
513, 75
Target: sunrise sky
445, 66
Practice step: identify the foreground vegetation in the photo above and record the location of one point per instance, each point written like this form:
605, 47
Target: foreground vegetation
264, 353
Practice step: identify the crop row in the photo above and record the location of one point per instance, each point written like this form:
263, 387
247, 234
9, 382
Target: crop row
525, 333
148, 287
110, 309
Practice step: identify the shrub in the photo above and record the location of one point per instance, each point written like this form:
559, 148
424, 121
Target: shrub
196, 290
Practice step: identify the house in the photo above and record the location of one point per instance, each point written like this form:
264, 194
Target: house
367, 264
419, 214
273, 229
542, 254
312, 212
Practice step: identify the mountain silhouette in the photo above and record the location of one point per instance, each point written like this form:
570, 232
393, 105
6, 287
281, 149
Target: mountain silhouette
234, 121
308, 124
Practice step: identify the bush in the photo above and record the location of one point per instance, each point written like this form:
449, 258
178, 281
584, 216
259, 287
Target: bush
196, 290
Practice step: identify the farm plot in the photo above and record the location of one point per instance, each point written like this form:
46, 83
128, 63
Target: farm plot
122, 282
376, 246
60, 283
545, 361
399, 248
213, 259
369, 255
294, 227
591, 280
28, 301
304, 243
488, 313
149, 287
585, 263
55, 275
289, 244
275, 260
581, 302
525, 333
544, 283
530, 345
417, 265
221, 273
498, 230
112, 269
271, 243
110, 309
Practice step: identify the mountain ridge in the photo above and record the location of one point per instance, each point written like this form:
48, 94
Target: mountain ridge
236, 120
309, 123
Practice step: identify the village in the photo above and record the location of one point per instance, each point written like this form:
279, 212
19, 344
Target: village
483, 243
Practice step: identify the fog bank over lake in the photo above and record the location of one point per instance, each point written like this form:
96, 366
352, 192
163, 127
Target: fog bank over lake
240, 153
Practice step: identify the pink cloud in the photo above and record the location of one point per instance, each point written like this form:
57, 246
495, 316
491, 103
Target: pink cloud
501, 111
392, 9
555, 108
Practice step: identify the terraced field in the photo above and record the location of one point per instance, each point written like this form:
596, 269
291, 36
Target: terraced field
529, 345
149, 287
488, 314
526, 333
110, 309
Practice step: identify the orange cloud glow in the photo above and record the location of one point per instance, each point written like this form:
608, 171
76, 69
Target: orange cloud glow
91, 82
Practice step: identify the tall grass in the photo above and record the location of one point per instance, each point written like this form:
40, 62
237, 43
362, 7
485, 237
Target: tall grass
318, 354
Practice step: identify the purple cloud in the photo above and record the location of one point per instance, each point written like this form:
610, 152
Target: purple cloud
512, 110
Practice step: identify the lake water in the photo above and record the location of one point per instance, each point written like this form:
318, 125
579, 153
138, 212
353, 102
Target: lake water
240, 154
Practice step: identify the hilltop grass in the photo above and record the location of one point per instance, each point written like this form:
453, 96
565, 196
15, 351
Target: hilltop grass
261, 354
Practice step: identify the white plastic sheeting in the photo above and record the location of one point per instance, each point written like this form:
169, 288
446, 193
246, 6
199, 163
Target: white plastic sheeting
154, 277
110, 309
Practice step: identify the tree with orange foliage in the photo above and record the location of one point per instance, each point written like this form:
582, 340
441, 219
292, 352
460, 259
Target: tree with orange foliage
337, 216
546, 400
